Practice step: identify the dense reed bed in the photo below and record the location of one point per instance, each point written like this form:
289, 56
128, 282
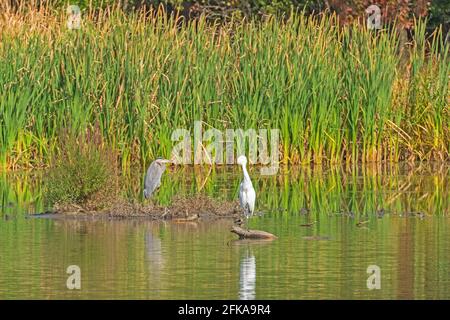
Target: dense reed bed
338, 94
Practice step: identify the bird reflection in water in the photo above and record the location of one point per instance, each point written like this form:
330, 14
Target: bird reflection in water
154, 255
247, 276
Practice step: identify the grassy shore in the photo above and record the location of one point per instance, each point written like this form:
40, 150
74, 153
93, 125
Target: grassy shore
337, 94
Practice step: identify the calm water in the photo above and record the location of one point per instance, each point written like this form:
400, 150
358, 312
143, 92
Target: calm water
161, 260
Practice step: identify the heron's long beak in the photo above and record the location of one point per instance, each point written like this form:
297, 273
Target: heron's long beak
165, 161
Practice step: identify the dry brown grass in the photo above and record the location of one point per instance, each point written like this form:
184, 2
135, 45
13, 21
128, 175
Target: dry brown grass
181, 208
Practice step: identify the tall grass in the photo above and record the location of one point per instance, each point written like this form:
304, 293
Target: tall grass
339, 94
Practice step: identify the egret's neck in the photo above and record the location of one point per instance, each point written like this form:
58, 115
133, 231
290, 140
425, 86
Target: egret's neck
246, 176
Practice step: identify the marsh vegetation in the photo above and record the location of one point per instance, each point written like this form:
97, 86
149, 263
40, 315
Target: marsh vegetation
366, 115
338, 93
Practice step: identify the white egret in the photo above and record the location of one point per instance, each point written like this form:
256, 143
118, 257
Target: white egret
247, 195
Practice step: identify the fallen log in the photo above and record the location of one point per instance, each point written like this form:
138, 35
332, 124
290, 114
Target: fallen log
252, 234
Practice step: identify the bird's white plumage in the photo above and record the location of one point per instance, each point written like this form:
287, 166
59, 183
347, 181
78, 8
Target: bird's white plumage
247, 198
247, 194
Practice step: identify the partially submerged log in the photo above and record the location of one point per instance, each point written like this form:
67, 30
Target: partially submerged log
252, 234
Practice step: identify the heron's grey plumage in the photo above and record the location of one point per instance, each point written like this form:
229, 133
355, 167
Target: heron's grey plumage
153, 176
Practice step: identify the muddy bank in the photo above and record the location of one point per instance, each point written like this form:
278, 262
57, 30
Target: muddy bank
181, 209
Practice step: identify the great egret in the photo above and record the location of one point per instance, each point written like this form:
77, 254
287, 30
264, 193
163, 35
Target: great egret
153, 176
247, 195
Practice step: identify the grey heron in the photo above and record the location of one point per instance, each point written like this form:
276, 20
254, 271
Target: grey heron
247, 195
153, 176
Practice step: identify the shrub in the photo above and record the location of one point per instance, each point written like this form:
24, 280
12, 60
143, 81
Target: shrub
83, 175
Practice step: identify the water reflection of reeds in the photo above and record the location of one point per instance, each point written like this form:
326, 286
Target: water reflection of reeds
358, 192
157, 260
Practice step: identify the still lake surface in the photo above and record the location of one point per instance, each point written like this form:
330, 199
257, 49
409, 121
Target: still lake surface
404, 230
